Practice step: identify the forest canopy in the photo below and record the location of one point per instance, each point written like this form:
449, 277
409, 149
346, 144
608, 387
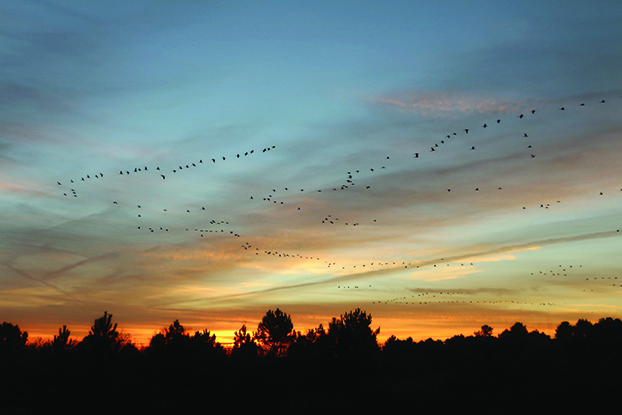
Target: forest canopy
274, 360
349, 335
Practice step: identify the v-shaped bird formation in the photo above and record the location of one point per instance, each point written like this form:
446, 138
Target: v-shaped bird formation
521, 136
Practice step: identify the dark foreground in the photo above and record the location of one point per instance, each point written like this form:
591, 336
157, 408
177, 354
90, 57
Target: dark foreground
339, 371
461, 374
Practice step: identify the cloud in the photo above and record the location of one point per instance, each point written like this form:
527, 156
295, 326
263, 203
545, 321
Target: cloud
431, 262
26, 275
442, 104
255, 284
20, 190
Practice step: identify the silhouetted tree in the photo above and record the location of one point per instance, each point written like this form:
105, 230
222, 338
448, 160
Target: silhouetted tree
608, 331
177, 346
175, 331
243, 344
61, 341
316, 336
313, 344
275, 332
204, 340
103, 327
103, 336
203, 346
583, 329
12, 338
175, 335
241, 337
397, 349
516, 332
173, 338
391, 341
351, 335
157, 342
485, 331
538, 339
563, 332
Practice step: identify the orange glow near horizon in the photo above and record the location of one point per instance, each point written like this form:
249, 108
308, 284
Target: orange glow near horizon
400, 328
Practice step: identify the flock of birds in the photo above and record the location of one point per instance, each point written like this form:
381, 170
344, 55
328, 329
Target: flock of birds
430, 298
144, 170
357, 179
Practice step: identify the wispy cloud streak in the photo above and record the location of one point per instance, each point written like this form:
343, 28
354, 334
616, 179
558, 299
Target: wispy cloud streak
457, 258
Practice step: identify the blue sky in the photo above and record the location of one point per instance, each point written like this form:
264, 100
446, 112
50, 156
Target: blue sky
312, 98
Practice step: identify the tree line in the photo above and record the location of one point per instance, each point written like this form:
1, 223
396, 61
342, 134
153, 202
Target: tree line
350, 335
344, 358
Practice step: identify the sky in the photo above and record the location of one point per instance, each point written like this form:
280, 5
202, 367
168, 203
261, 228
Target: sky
440, 165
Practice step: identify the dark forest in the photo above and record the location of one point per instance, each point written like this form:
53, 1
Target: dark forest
335, 369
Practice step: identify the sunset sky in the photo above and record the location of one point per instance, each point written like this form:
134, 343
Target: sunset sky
208, 161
